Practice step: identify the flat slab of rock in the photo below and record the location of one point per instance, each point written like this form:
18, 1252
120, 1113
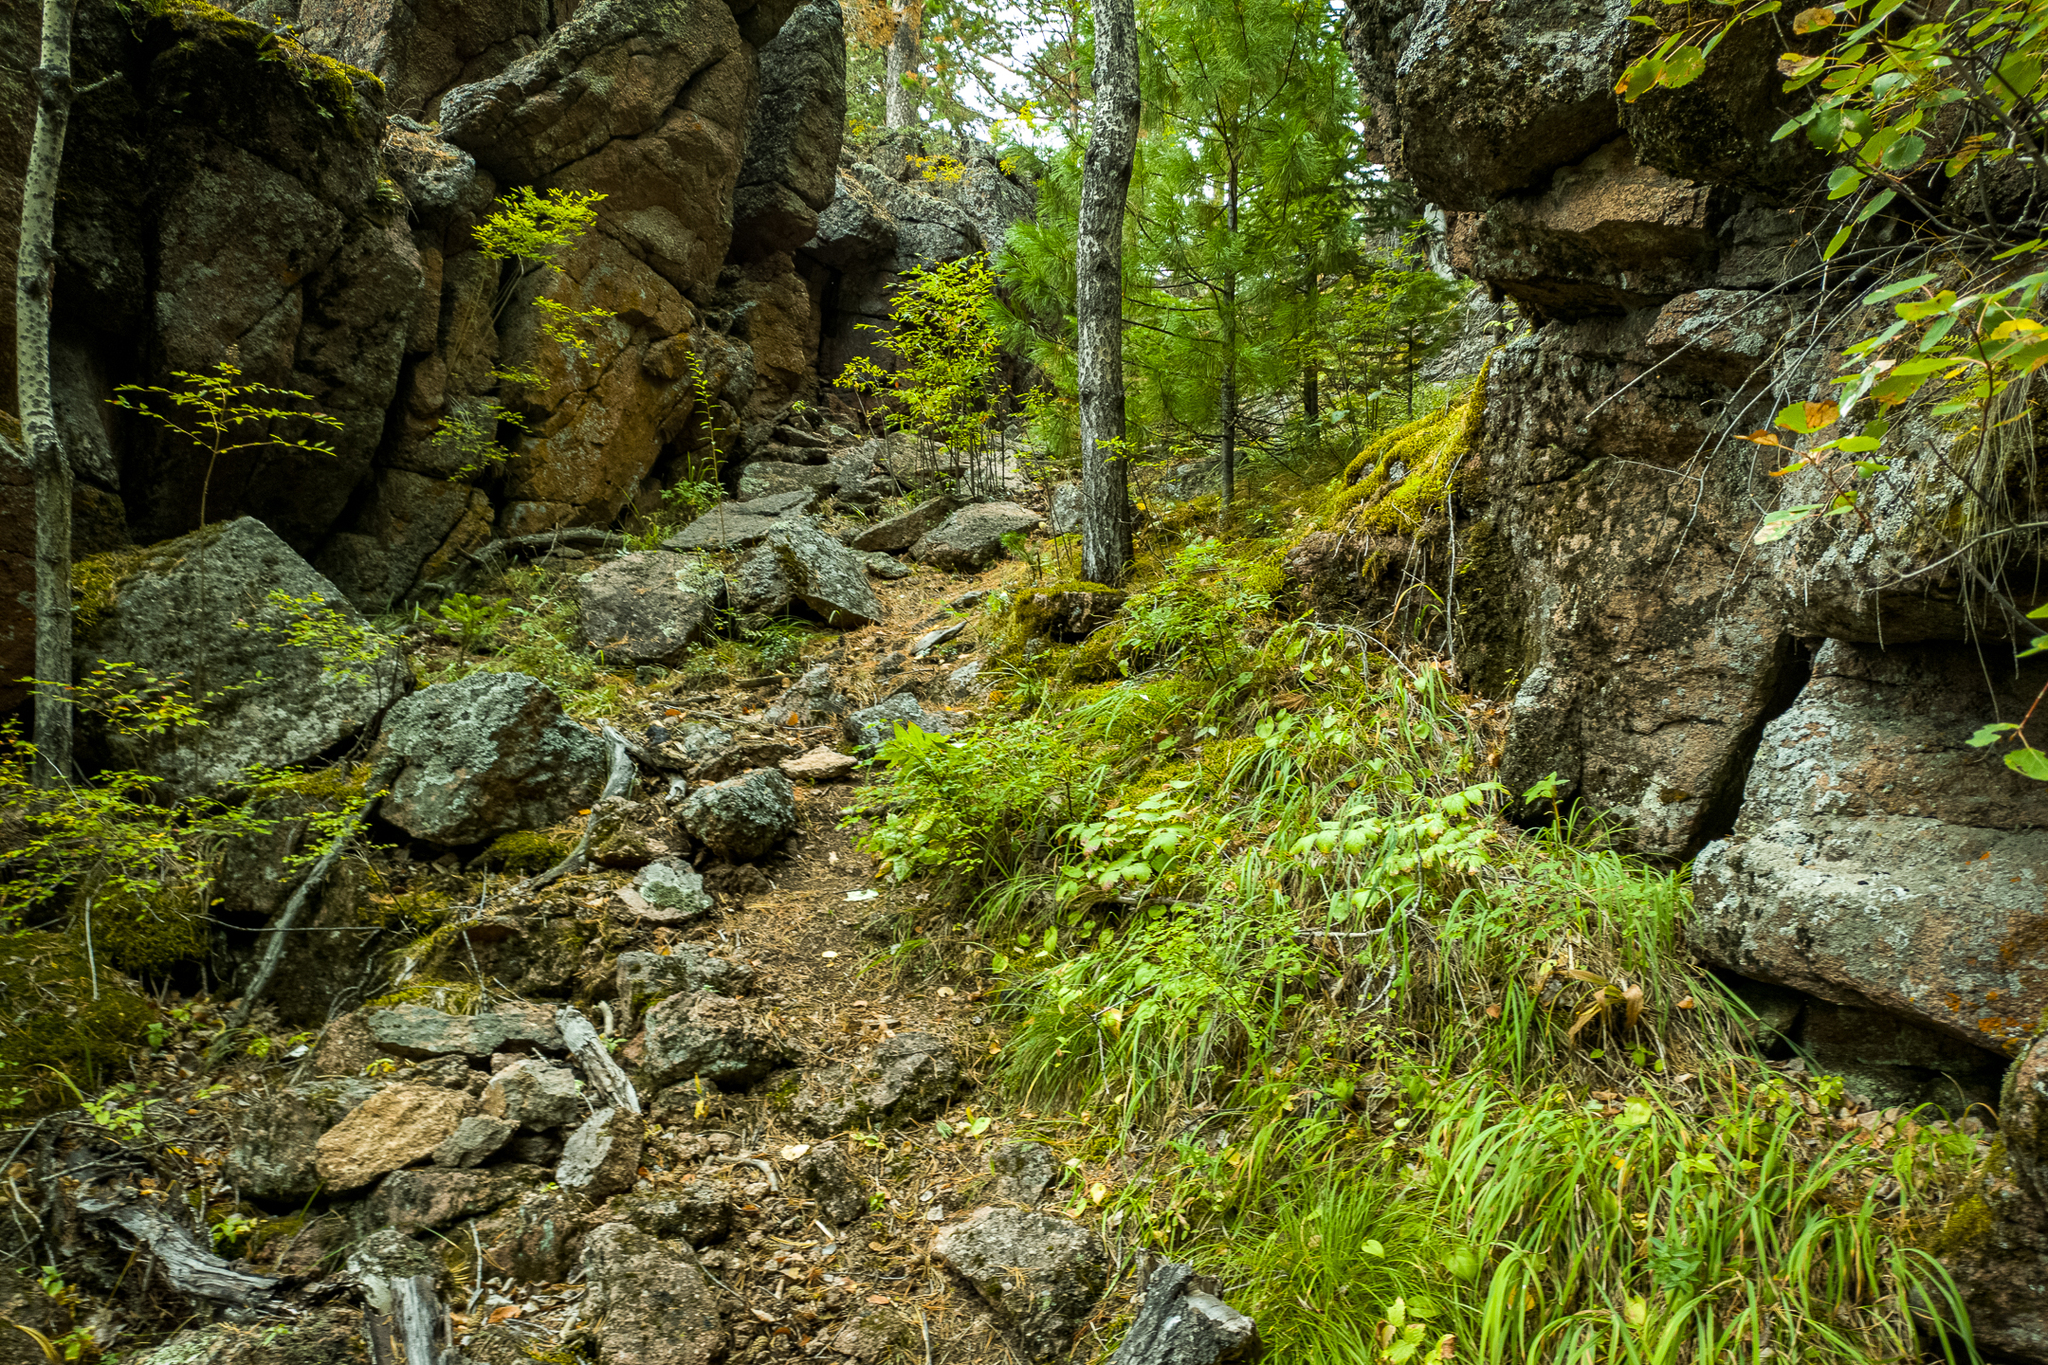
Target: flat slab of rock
389, 1131
972, 538
820, 765
709, 1036
1040, 1275
871, 727
737, 525
903, 530
652, 1297
487, 755
199, 608
437, 1197
419, 1032
649, 607
475, 1140
742, 817
643, 977
1879, 860
765, 478
906, 1079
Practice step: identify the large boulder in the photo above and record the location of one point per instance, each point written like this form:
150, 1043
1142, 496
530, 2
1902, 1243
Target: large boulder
793, 141
743, 817
1995, 1244
972, 538
1040, 1275
491, 754
651, 1298
1881, 861
649, 607
282, 667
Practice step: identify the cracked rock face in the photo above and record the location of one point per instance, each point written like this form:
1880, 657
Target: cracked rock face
1881, 861
652, 1297
907, 1079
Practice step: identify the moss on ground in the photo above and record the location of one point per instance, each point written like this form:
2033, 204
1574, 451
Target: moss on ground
1407, 477
60, 1017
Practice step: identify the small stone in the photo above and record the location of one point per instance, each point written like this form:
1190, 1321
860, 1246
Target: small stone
538, 1238
603, 1156
820, 765
824, 1174
709, 1037
743, 817
811, 700
643, 977
672, 893
1025, 1172
1040, 1275
965, 681
475, 1140
886, 566
871, 727
534, 1094
390, 1130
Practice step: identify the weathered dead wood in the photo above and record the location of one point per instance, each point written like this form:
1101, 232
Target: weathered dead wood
587, 1046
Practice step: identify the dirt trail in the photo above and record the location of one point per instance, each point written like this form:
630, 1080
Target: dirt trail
819, 936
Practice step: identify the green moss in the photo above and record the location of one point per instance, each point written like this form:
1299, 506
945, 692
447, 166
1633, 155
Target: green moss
274, 1230
335, 88
55, 1019
526, 851
95, 582
450, 997
1429, 452
1095, 659
147, 931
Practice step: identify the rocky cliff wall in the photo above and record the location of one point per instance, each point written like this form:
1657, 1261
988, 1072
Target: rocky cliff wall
295, 190
1795, 714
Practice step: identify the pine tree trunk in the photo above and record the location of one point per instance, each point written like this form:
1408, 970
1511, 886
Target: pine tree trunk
1228, 397
900, 109
1098, 304
35, 281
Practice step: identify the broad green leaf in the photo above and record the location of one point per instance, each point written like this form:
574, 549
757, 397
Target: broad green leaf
1844, 180
1685, 66
1893, 290
1989, 734
1813, 20
1836, 243
1904, 154
1876, 205
2028, 763
1806, 418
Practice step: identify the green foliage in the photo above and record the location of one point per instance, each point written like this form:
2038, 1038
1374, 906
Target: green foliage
524, 852
349, 647
1407, 479
945, 385
471, 621
471, 435
536, 228
224, 414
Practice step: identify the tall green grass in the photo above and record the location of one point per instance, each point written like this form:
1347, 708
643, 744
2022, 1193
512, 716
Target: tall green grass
1417, 1079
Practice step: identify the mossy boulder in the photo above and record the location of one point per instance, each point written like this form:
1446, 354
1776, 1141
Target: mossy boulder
58, 1017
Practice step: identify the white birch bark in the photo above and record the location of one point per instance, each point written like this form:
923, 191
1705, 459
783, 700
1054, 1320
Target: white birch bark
1098, 305
34, 284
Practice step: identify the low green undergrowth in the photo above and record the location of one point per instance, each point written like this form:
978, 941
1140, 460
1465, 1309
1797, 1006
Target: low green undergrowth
1422, 1064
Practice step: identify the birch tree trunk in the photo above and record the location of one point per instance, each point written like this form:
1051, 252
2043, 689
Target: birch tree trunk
1098, 303
34, 283
900, 107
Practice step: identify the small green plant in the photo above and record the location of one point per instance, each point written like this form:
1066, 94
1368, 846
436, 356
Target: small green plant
224, 414
691, 498
232, 1229
472, 621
